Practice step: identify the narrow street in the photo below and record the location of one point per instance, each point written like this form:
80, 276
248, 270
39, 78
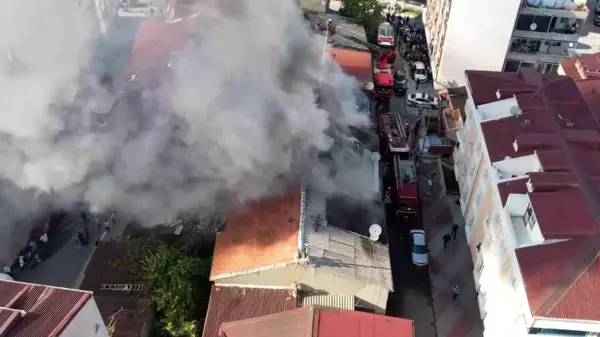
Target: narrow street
424, 294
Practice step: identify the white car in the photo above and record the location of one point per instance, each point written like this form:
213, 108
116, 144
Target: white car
418, 247
421, 100
419, 72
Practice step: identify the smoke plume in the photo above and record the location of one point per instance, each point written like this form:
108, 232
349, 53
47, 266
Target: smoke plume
236, 114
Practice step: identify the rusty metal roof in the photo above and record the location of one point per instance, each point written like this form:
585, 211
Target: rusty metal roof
43, 311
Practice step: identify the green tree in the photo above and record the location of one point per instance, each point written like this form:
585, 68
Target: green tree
175, 282
366, 12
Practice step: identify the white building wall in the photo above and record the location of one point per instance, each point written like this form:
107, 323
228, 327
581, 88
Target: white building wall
502, 299
87, 323
477, 37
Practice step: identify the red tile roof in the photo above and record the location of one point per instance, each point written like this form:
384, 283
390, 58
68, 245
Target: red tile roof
565, 134
48, 310
264, 234
590, 89
315, 321
228, 304
353, 62
562, 279
506, 188
154, 42
582, 67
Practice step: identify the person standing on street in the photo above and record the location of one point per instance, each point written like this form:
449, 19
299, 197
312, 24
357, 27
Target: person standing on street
455, 292
454, 231
7, 270
446, 238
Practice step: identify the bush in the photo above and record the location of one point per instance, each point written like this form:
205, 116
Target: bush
176, 285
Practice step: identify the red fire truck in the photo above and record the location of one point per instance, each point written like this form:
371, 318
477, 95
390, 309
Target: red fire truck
406, 195
393, 134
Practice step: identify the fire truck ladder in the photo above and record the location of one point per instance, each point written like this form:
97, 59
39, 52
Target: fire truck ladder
122, 287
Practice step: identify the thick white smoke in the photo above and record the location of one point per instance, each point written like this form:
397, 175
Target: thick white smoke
234, 116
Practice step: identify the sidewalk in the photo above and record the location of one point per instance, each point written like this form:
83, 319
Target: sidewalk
448, 268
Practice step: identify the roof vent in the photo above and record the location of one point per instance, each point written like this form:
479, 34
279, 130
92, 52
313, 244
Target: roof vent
529, 186
507, 158
515, 111
525, 124
516, 145
375, 232
498, 95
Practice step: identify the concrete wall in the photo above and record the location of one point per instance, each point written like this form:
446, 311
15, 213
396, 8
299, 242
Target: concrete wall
477, 37
368, 296
87, 323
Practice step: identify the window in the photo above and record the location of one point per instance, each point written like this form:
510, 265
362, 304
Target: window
512, 65
527, 65
529, 217
548, 68
479, 266
498, 222
489, 242
533, 23
525, 46
479, 196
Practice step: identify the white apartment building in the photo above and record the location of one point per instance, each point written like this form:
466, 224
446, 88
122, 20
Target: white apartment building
500, 36
528, 166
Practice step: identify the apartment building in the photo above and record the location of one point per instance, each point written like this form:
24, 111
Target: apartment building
500, 36
528, 166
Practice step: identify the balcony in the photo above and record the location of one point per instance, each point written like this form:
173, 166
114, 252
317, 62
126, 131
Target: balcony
546, 26
524, 223
512, 168
533, 46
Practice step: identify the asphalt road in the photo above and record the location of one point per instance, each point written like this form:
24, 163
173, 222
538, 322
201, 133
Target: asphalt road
412, 287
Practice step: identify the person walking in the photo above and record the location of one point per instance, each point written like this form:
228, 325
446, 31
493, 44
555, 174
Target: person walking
446, 239
455, 292
77, 241
7, 270
454, 231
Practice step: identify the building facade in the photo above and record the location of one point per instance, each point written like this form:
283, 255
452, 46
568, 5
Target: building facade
522, 165
499, 36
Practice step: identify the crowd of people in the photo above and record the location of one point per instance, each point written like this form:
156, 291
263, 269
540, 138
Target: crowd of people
412, 42
38, 247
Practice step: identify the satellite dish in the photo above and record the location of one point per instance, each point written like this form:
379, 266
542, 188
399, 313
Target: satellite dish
369, 86
515, 111
533, 26
375, 231
375, 156
507, 158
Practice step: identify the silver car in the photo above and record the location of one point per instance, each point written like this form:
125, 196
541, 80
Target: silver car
419, 250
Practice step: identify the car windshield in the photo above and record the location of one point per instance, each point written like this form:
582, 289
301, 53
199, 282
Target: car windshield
427, 98
420, 71
417, 249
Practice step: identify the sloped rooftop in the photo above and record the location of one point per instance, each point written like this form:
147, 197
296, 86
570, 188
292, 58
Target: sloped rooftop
315, 321
558, 125
28, 310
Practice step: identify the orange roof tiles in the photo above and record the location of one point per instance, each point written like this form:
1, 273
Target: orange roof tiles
582, 67
264, 234
354, 63
565, 134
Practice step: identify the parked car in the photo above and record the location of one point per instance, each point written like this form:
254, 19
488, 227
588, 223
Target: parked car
399, 82
419, 72
421, 100
418, 248
597, 6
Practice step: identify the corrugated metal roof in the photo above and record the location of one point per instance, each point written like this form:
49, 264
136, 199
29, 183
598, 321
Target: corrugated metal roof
49, 310
228, 304
340, 251
340, 301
